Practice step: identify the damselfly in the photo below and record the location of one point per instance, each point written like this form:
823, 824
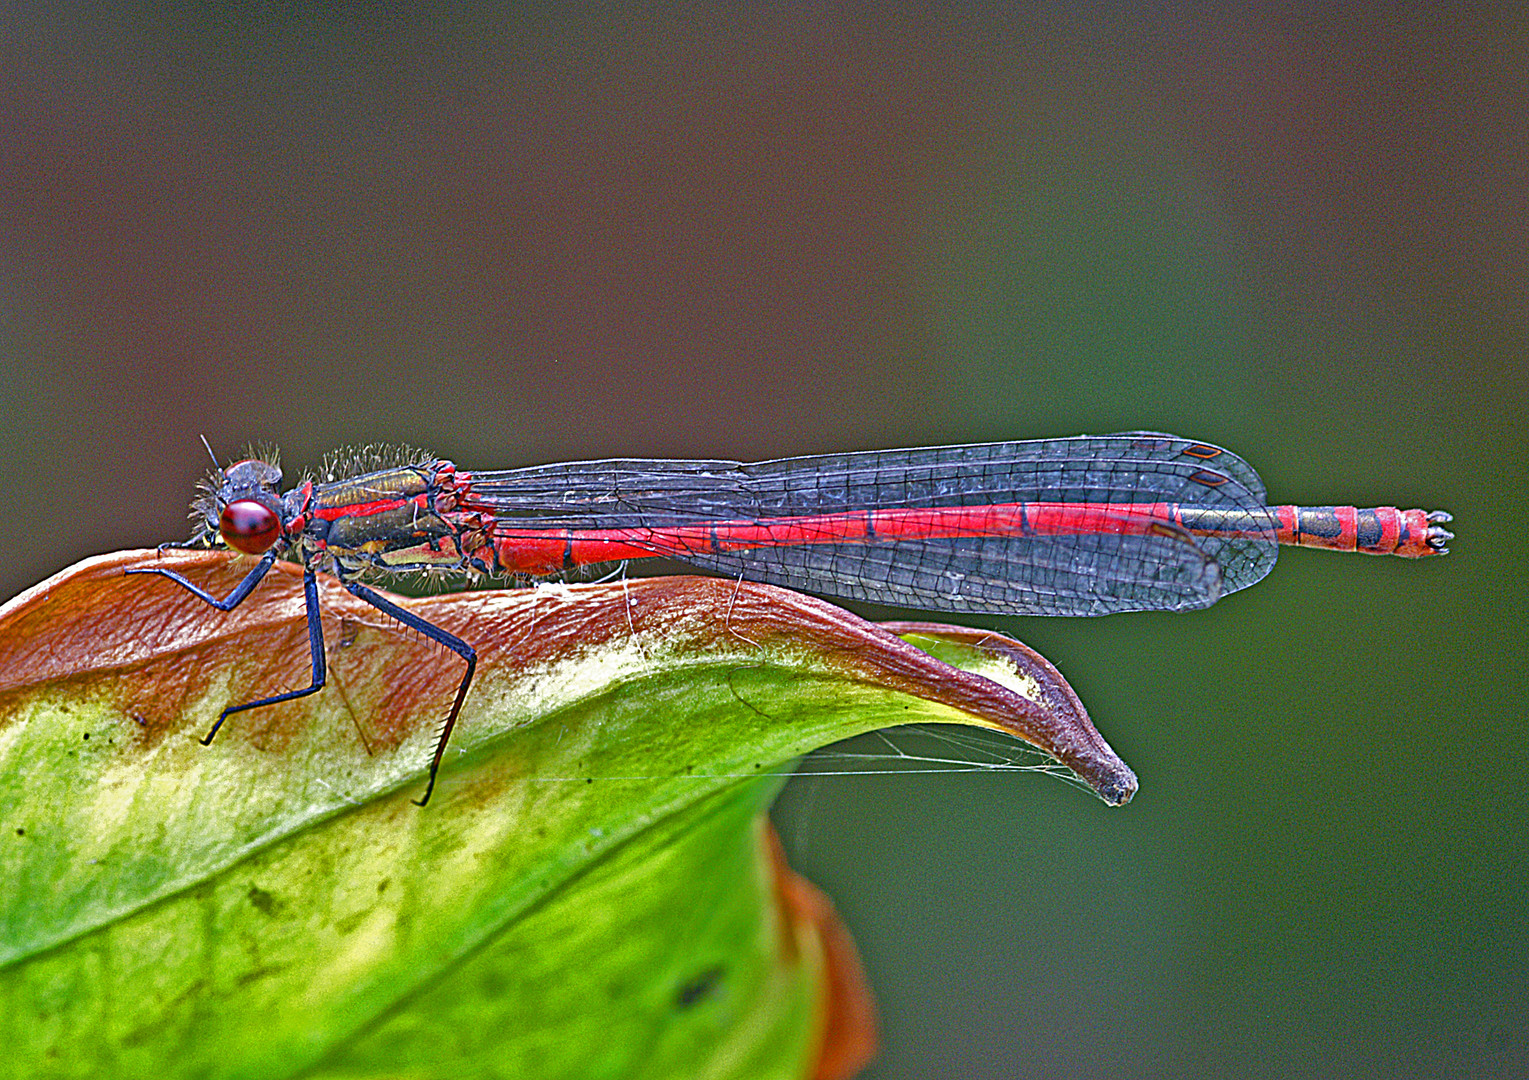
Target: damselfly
1075, 526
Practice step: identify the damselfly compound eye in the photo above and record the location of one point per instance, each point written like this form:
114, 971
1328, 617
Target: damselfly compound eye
249, 526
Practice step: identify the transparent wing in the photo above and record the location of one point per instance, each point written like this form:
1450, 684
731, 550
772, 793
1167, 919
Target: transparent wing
800, 518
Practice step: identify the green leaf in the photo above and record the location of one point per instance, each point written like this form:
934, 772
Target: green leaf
591, 892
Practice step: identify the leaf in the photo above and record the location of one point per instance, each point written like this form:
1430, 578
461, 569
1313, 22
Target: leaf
591, 892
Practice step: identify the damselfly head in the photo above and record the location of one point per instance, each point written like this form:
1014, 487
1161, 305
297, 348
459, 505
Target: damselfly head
249, 517
240, 505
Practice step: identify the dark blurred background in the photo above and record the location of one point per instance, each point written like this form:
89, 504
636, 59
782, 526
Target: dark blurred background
569, 232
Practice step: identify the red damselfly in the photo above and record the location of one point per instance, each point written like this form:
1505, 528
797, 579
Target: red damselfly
1087, 525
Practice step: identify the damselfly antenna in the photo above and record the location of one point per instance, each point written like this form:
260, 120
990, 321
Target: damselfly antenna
215, 462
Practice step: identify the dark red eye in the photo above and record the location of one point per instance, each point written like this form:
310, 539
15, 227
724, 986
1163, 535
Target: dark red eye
249, 526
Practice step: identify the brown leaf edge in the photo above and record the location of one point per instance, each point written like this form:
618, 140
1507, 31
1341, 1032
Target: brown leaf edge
847, 1030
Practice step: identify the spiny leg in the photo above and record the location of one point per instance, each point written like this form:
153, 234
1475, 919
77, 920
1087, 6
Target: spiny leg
436, 634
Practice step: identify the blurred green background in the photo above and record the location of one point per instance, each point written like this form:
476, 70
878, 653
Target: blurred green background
593, 231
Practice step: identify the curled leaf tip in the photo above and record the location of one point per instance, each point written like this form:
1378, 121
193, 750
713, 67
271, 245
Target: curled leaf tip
1117, 790
1027, 697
